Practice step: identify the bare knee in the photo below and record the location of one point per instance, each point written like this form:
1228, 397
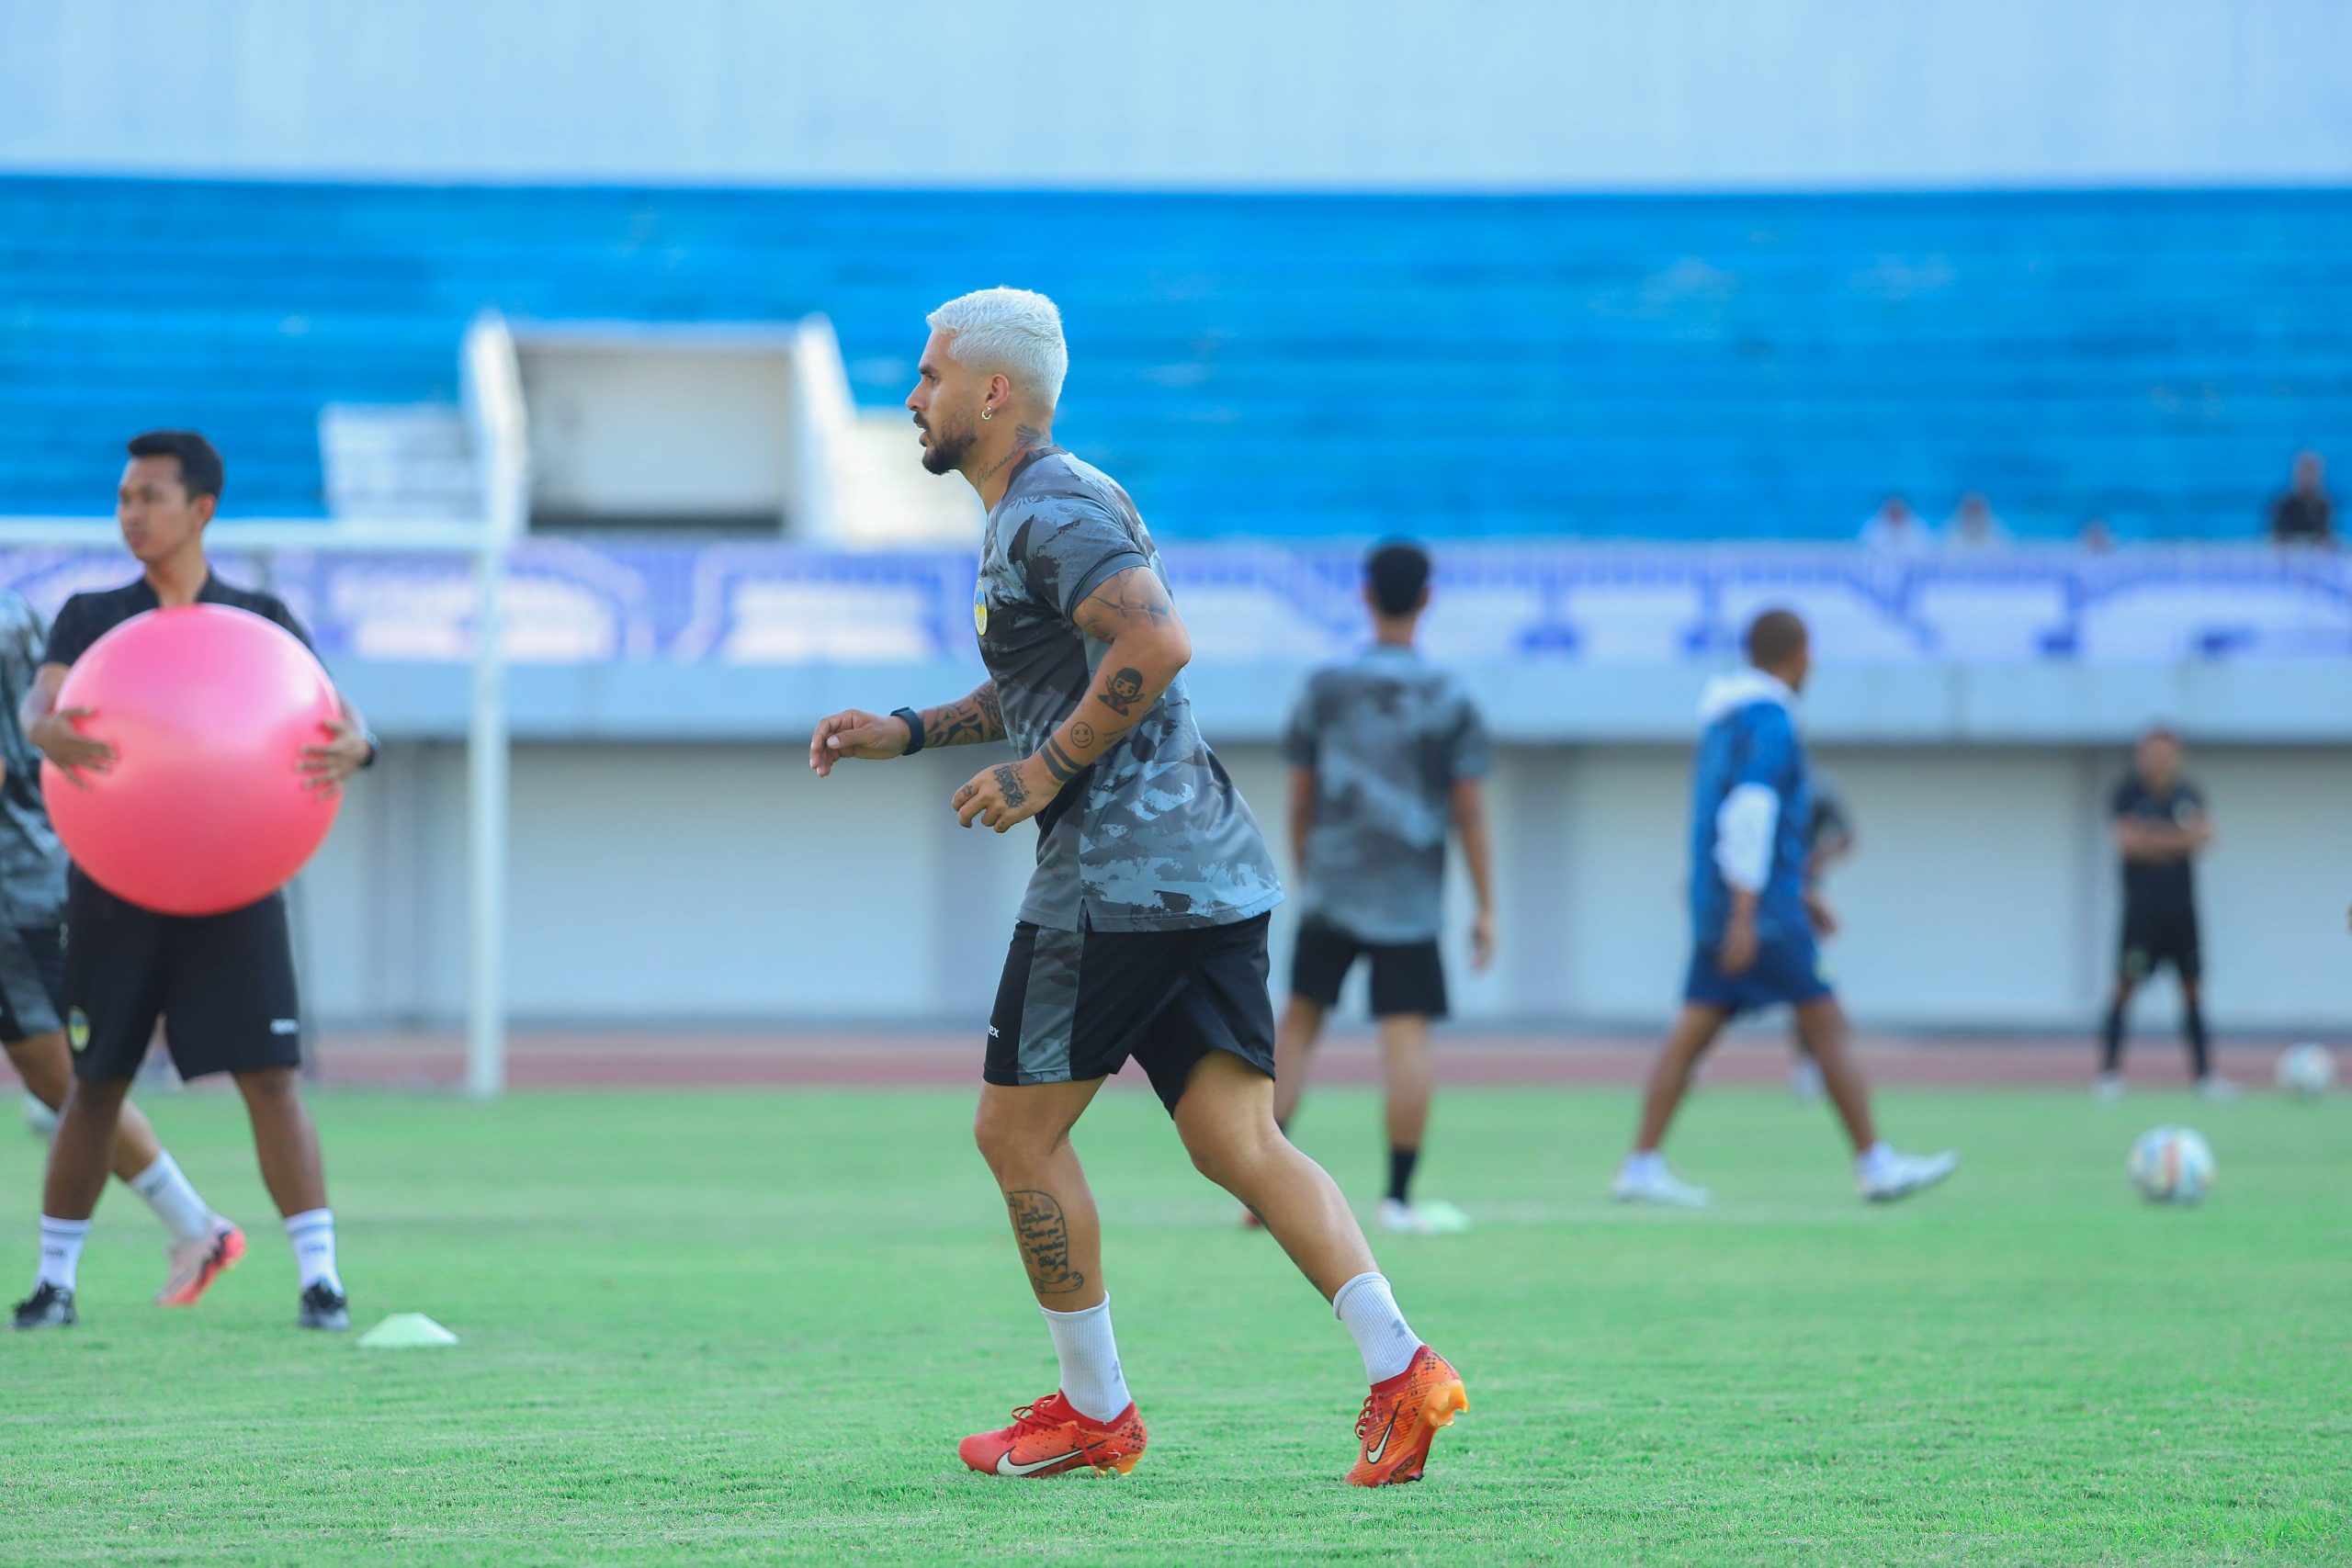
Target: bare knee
43, 1064
101, 1098
1226, 1153
1012, 1142
270, 1087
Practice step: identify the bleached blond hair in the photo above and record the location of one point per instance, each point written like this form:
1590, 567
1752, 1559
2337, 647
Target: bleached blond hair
1009, 330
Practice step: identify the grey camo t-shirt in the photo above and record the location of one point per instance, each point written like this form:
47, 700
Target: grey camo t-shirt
32, 862
1386, 735
1153, 836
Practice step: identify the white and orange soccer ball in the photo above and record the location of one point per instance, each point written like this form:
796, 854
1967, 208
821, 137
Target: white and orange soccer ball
2306, 1071
2172, 1165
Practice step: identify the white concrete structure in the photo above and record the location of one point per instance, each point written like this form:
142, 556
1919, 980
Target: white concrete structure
1351, 93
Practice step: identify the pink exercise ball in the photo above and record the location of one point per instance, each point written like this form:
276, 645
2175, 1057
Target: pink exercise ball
203, 810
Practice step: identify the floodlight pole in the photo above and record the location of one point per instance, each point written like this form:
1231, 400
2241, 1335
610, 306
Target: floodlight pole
494, 405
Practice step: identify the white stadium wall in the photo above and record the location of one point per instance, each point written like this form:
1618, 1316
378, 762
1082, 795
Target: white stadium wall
703, 884
1356, 94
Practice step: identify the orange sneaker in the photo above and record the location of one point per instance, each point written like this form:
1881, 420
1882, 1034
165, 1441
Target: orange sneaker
1401, 1418
196, 1264
1050, 1438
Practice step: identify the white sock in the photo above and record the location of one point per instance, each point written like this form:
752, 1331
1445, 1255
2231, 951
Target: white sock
1642, 1163
167, 1191
1369, 1309
60, 1250
312, 1234
1871, 1160
1091, 1380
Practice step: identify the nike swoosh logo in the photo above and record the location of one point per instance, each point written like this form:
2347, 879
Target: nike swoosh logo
1004, 1465
1372, 1456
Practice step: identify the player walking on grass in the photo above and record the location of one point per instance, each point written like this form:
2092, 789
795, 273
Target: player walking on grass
2161, 827
1388, 754
222, 985
1143, 933
32, 958
1753, 920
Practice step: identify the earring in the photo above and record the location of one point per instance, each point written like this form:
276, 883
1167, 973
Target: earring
988, 414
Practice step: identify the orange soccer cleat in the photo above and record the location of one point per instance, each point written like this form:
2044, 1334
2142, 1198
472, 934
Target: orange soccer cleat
196, 1264
1050, 1438
1401, 1418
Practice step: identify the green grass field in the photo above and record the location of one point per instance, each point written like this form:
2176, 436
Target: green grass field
734, 1327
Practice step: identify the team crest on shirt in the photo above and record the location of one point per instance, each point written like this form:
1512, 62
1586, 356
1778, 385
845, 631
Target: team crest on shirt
77, 1028
980, 606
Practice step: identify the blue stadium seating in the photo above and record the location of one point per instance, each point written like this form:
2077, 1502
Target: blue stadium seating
1330, 367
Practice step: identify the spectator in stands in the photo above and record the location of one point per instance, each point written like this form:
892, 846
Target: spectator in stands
2096, 536
1897, 530
2304, 515
1973, 527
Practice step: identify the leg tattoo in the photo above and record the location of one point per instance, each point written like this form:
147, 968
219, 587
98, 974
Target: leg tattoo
1043, 1235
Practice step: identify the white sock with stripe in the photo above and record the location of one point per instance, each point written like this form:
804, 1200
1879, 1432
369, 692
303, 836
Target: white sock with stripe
1091, 1380
60, 1250
1368, 1307
165, 1188
312, 1234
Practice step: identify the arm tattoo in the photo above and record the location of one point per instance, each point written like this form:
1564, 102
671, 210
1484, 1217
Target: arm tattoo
1008, 783
1124, 692
1082, 735
1044, 1235
966, 721
1132, 598
1059, 762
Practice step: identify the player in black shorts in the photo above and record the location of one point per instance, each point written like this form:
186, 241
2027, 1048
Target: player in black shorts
2161, 826
32, 980
1388, 759
222, 986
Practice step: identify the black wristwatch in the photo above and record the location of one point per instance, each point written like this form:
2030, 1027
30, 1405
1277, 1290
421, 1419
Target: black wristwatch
373, 748
914, 729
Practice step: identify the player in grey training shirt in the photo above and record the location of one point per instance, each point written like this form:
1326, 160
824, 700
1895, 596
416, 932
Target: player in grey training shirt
1387, 756
1143, 934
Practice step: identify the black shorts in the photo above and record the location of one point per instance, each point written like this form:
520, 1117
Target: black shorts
2155, 935
1076, 1005
222, 986
1407, 976
32, 982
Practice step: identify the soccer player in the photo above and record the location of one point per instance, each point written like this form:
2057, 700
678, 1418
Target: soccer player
2161, 827
32, 955
1388, 753
1143, 934
1753, 920
222, 985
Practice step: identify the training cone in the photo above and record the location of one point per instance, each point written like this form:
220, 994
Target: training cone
406, 1331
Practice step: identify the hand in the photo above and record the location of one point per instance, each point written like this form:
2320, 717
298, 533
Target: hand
1823, 917
345, 753
853, 732
1009, 793
1738, 951
67, 747
1482, 942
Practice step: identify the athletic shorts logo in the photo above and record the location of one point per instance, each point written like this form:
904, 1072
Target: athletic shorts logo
980, 606
285, 1026
77, 1028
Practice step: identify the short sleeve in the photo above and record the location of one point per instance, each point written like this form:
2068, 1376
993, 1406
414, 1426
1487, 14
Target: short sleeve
1069, 548
1471, 754
71, 634
273, 609
1300, 742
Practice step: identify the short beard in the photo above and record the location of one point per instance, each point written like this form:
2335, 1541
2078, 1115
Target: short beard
945, 452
